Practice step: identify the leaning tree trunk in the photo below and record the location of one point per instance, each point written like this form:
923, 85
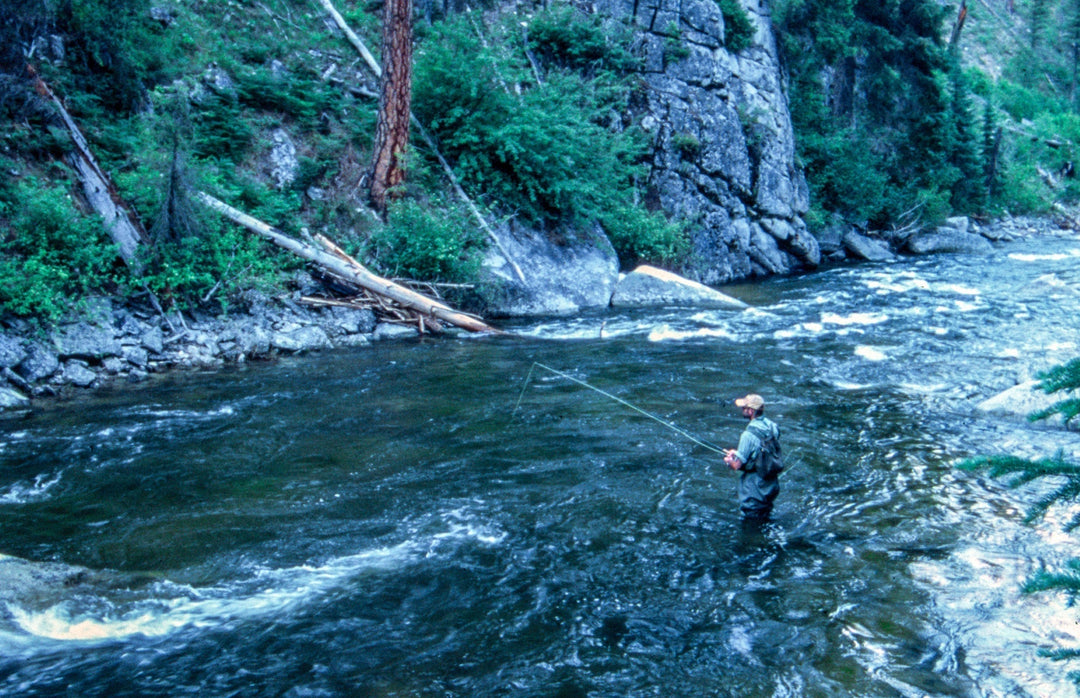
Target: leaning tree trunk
392, 131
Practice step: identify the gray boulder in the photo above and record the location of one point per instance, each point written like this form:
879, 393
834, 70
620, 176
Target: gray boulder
36, 585
649, 286
386, 330
1022, 400
948, 240
561, 277
352, 320
11, 351
10, 397
153, 340
39, 363
86, 341
866, 248
78, 373
307, 338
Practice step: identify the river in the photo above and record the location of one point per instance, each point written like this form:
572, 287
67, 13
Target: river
415, 519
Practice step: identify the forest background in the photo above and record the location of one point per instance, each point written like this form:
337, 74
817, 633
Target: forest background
905, 112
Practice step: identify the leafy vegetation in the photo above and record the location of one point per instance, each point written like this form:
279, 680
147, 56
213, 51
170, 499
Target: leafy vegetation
535, 110
425, 241
902, 103
54, 253
537, 138
1064, 381
738, 29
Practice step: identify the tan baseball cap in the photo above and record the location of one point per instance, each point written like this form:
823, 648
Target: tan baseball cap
754, 402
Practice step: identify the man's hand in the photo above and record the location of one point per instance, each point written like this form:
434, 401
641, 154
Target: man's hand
732, 460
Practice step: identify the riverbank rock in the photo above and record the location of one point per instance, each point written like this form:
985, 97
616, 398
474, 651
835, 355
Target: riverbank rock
562, 276
648, 286
954, 236
110, 343
10, 397
868, 249
723, 147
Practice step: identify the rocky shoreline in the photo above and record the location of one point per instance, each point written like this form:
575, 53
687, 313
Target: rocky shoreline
111, 343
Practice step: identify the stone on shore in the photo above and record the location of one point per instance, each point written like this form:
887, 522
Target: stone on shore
862, 247
10, 397
648, 286
562, 277
955, 236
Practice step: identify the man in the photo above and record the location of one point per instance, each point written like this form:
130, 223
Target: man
757, 459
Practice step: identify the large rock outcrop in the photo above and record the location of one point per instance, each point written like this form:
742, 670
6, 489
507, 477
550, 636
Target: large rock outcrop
723, 158
724, 149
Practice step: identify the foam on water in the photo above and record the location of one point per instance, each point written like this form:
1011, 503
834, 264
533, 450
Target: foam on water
870, 353
25, 492
166, 607
1054, 257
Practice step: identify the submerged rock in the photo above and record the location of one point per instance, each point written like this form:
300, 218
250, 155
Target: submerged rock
31, 584
1022, 400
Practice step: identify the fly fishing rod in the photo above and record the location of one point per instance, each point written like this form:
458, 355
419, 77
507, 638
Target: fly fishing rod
700, 442
650, 415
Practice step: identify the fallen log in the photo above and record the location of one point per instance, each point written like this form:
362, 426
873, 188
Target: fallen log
348, 269
100, 193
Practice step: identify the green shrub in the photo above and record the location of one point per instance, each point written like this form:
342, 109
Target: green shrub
686, 145
738, 29
49, 253
545, 153
643, 236
1018, 101
563, 38
432, 243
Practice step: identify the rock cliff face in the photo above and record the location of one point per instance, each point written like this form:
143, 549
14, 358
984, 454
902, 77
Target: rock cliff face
723, 154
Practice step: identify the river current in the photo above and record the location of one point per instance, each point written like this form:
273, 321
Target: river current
418, 519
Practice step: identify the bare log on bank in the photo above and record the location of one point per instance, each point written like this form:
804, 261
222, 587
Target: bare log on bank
348, 269
376, 69
97, 187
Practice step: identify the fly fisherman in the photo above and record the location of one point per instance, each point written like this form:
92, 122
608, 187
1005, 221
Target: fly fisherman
757, 459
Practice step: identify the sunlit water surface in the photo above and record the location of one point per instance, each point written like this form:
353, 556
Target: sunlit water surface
417, 519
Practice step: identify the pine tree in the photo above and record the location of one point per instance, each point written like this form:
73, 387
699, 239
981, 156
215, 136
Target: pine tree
991, 154
1065, 380
968, 192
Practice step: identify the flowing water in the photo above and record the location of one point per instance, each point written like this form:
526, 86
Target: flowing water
382, 521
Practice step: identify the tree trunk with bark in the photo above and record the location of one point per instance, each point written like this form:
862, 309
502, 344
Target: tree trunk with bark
395, 101
122, 225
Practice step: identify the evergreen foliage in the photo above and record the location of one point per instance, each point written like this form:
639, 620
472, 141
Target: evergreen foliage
1066, 476
1061, 379
886, 108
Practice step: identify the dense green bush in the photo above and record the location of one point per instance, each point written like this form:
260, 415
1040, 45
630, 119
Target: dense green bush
545, 141
49, 252
434, 242
642, 236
